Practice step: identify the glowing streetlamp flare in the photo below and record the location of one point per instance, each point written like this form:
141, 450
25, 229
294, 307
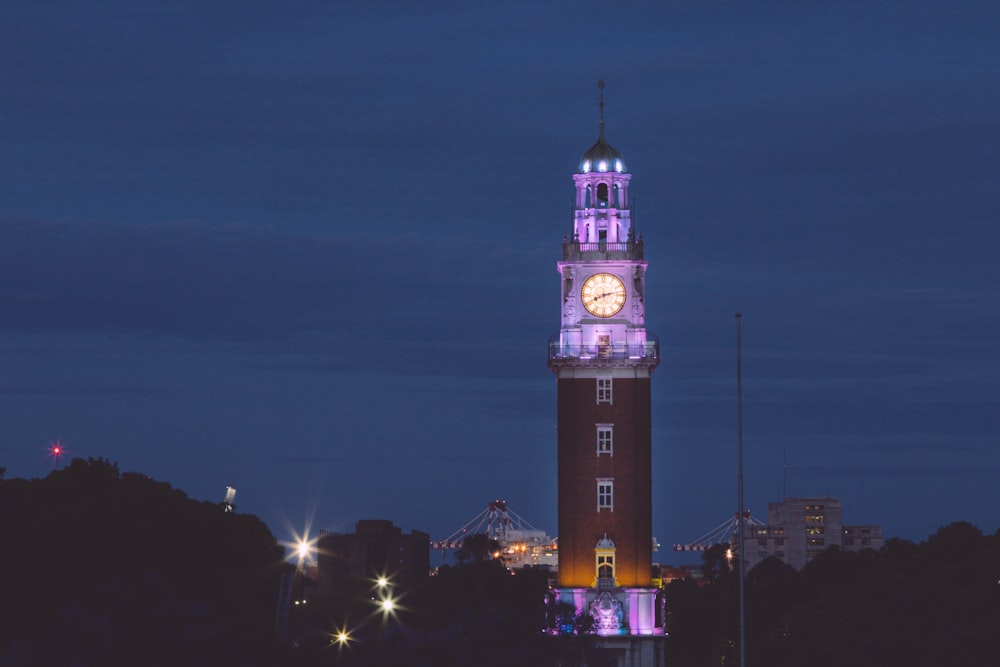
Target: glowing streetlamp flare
341, 636
301, 548
388, 605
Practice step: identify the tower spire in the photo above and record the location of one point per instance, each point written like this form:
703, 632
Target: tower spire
600, 85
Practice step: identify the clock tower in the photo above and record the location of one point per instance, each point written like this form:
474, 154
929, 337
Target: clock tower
603, 358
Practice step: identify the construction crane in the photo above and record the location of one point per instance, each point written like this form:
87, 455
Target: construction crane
496, 522
520, 542
722, 534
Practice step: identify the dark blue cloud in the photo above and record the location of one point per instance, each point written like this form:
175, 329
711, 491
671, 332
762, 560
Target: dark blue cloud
360, 292
234, 237
42, 389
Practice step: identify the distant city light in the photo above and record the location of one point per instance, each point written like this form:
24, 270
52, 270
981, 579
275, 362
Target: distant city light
382, 581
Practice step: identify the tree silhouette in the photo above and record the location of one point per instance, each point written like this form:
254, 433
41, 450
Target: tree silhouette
477, 547
124, 569
715, 562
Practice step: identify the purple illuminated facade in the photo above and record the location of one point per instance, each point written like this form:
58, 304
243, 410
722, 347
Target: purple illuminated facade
603, 358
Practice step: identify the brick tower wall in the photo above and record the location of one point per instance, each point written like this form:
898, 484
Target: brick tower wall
629, 524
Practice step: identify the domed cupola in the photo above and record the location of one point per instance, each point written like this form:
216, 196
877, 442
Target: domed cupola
602, 157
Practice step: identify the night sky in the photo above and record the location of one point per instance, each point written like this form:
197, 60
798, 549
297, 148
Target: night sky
309, 249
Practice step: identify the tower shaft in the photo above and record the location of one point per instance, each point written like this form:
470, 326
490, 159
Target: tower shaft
603, 359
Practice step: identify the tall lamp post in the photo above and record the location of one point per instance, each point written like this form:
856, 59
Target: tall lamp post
291, 583
741, 565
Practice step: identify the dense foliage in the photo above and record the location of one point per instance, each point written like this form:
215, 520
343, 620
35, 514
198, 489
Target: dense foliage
934, 603
474, 613
99, 567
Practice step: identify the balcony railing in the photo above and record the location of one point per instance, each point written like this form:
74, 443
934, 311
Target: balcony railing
602, 250
611, 353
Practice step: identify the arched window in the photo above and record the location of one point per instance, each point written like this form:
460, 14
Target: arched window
605, 561
586, 198
618, 203
602, 195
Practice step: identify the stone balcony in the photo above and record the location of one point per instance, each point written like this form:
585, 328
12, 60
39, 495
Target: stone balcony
578, 250
613, 354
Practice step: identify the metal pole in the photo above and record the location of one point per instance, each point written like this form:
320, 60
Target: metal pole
739, 449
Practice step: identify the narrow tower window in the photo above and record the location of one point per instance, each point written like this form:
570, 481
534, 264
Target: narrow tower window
618, 203
604, 390
605, 440
605, 494
586, 198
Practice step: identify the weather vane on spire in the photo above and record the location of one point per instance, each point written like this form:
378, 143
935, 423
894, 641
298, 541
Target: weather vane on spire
600, 84
600, 125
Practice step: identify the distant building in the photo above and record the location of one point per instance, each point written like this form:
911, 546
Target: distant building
799, 528
377, 548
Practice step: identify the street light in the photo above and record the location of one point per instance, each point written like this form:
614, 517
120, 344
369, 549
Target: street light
301, 548
341, 637
385, 601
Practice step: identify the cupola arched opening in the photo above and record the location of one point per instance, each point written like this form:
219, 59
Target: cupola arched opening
602, 195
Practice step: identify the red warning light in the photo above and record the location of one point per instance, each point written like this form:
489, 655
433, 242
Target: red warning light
56, 451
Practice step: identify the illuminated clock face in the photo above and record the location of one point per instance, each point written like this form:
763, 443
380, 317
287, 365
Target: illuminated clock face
603, 294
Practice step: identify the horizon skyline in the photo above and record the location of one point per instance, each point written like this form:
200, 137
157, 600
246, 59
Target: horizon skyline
310, 252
